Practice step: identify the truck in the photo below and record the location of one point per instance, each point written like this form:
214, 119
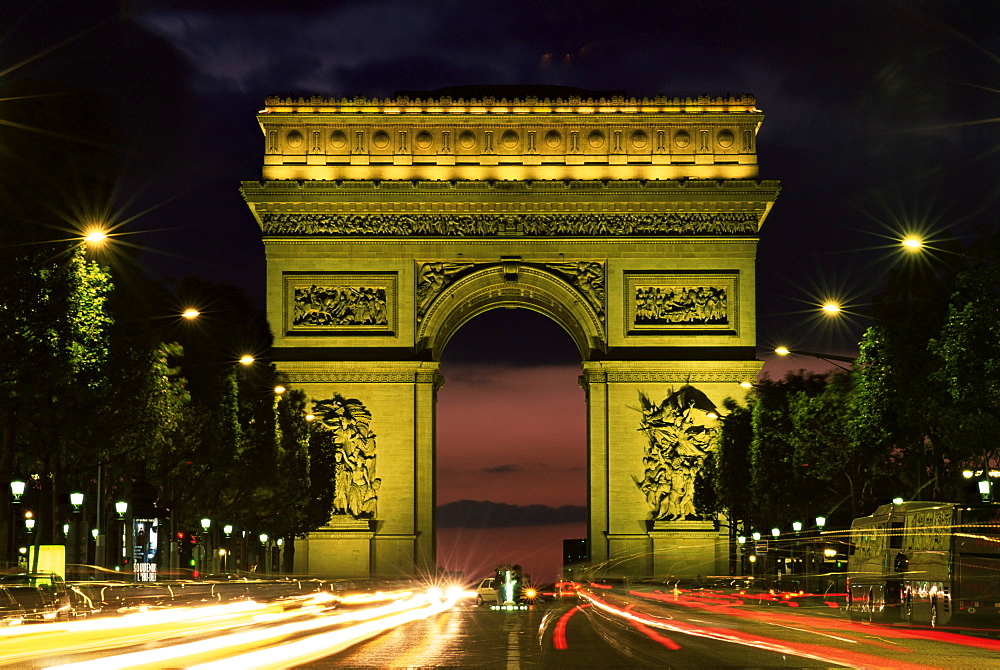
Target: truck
928, 563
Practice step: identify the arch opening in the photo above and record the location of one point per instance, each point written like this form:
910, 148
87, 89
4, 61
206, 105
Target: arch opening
511, 445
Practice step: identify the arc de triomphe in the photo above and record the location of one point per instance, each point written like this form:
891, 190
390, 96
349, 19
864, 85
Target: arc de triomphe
632, 223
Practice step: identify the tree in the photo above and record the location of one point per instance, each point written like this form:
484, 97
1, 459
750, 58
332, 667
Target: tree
968, 353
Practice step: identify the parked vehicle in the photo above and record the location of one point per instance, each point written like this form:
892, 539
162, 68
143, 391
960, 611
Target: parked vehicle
929, 563
42, 595
486, 592
11, 612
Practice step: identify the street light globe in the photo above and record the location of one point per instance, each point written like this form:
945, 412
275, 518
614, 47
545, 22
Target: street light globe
121, 507
820, 521
263, 538
190, 313
95, 236
206, 524
279, 389
776, 532
797, 526
745, 384
912, 243
741, 540
310, 417
967, 474
830, 307
75, 499
65, 529
246, 359
782, 351
756, 536
17, 488
94, 533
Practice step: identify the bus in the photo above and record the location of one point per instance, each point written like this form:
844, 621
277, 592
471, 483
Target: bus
929, 563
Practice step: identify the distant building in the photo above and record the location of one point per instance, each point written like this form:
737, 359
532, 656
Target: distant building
574, 552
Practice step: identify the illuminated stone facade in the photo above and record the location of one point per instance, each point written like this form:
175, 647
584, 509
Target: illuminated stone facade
630, 222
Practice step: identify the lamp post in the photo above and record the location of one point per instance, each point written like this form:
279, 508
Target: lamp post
796, 528
227, 531
740, 544
775, 532
16, 490
206, 525
121, 507
267, 556
76, 500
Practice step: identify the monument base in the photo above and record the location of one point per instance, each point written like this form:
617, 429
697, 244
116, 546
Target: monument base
341, 549
688, 549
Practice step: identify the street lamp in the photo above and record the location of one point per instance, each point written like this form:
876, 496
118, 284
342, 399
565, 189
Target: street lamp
121, 507
984, 489
820, 522
95, 237
246, 359
76, 500
190, 314
206, 525
797, 526
29, 524
17, 490
267, 556
912, 244
756, 536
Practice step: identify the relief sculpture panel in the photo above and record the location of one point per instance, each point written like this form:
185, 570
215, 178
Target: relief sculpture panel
340, 302
662, 305
588, 278
345, 432
657, 303
680, 433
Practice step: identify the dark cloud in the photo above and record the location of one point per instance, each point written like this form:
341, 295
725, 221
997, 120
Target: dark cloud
502, 470
486, 514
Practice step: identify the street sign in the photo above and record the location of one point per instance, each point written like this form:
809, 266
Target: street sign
761, 547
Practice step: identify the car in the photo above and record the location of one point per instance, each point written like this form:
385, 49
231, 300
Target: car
11, 612
487, 592
42, 595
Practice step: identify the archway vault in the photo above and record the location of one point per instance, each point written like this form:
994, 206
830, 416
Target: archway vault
512, 284
632, 223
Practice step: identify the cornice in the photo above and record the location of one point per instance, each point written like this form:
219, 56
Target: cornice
743, 103
696, 188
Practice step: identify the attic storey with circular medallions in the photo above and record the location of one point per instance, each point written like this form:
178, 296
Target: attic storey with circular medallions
632, 223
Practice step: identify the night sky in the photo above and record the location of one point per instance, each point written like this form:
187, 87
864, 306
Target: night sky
880, 118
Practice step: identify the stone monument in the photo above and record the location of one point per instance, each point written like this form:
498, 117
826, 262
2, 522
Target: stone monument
631, 222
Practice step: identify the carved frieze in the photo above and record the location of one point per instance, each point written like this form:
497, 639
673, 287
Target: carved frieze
340, 302
658, 302
493, 224
680, 434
